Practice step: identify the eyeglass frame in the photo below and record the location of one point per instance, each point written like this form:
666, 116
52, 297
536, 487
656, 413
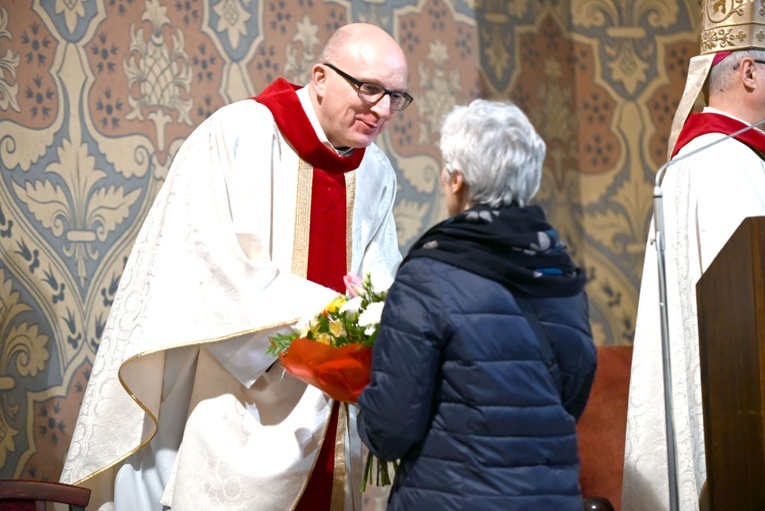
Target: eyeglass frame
359, 84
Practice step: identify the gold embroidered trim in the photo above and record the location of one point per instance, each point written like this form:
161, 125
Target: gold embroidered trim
350, 199
113, 464
302, 219
340, 476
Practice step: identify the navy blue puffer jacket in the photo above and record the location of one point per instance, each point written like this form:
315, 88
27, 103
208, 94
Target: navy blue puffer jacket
461, 394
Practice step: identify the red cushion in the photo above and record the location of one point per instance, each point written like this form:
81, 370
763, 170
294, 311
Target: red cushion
603, 425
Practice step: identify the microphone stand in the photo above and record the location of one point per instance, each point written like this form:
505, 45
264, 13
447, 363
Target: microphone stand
659, 240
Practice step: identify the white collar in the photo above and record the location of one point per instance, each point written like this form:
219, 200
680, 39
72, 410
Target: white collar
305, 101
713, 110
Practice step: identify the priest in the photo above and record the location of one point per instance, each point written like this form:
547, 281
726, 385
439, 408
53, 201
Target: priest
714, 184
267, 206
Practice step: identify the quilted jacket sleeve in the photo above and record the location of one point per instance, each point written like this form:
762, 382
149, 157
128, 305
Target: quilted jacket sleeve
406, 358
566, 322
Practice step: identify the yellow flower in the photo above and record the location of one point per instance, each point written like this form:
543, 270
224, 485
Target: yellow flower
313, 327
324, 339
336, 328
335, 305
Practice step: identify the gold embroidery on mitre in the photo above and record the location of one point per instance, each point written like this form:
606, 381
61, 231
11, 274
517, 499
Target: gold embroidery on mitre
730, 25
302, 219
726, 25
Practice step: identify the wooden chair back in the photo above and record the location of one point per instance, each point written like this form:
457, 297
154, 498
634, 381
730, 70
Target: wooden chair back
20, 494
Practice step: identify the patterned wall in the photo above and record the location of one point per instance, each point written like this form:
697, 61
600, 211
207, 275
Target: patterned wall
96, 97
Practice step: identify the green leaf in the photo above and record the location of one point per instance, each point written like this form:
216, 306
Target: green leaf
280, 343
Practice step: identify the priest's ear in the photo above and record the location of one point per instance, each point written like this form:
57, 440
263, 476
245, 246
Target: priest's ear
319, 80
747, 70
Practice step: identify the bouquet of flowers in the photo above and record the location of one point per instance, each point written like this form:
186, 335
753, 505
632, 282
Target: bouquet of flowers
333, 349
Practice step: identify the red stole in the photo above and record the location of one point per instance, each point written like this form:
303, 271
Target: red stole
702, 123
327, 264
327, 239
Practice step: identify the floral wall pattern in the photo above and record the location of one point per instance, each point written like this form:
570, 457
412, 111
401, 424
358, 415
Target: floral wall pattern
96, 96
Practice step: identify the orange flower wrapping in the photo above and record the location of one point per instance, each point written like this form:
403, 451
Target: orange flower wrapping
340, 372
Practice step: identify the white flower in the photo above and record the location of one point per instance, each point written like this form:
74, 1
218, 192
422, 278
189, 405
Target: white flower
371, 316
380, 282
352, 306
304, 325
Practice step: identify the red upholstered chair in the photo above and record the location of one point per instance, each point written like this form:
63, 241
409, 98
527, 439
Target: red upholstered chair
602, 428
23, 495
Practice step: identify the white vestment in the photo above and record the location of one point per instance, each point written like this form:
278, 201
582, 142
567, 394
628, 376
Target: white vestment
705, 198
211, 276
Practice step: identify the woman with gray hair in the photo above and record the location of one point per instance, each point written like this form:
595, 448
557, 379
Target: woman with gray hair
484, 358
496, 150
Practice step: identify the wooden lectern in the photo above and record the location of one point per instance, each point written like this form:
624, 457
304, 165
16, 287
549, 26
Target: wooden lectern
731, 307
